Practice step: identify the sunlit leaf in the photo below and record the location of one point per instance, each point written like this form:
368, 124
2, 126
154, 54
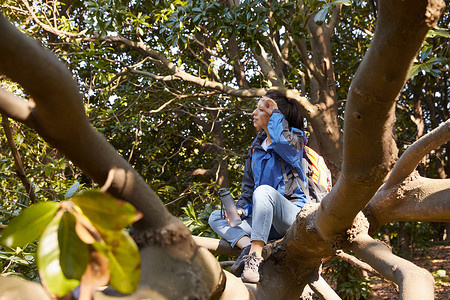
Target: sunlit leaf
85, 230
440, 32
48, 261
74, 256
105, 211
124, 261
29, 224
344, 2
321, 15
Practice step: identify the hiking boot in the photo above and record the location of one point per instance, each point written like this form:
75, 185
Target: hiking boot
251, 268
238, 266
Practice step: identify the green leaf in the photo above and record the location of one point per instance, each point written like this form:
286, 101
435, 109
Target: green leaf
105, 211
72, 190
29, 224
414, 71
48, 261
321, 15
124, 261
74, 256
343, 2
440, 32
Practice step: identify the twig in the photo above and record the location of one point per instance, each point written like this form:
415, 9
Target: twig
356, 262
17, 159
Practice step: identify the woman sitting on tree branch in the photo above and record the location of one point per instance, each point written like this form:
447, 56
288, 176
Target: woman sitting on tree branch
270, 195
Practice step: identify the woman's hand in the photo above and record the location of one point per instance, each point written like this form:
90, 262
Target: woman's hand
268, 105
239, 211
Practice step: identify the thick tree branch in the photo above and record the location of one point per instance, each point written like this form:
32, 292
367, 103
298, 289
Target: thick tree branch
369, 113
301, 47
415, 199
216, 246
413, 281
15, 107
406, 197
60, 119
232, 52
323, 290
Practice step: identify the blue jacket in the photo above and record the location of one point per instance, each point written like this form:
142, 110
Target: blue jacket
264, 167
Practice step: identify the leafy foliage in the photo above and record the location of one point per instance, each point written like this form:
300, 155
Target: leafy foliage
197, 221
350, 284
66, 229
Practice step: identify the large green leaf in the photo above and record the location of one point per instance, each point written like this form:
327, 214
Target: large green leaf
48, 260
29, 224
74, 254
106, 211
124, 261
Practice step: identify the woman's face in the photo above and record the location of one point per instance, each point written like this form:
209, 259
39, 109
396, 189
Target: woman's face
260, 116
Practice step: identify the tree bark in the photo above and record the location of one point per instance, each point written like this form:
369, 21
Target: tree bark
369, 113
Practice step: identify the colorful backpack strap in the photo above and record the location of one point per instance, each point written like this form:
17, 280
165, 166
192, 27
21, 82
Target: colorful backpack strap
297, 178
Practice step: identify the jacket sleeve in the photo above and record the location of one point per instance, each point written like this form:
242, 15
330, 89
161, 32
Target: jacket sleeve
245, 200
288, 143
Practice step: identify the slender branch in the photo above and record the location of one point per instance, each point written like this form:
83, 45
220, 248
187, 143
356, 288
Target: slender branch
414, 154
413, 281
17, 159
183, 76
51, 28
266, 68
356, 262
334, 18
205, 63
365, 30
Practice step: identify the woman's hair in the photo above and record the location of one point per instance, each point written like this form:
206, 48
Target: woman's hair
290, 108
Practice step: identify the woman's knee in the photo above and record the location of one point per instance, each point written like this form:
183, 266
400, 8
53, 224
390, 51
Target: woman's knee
263, 190
215, 217
264, 193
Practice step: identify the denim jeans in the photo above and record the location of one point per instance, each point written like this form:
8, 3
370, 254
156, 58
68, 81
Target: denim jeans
272, 216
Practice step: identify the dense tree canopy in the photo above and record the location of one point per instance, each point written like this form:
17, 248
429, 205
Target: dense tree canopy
170, 84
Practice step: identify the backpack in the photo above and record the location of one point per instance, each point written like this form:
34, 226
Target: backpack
318, 176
